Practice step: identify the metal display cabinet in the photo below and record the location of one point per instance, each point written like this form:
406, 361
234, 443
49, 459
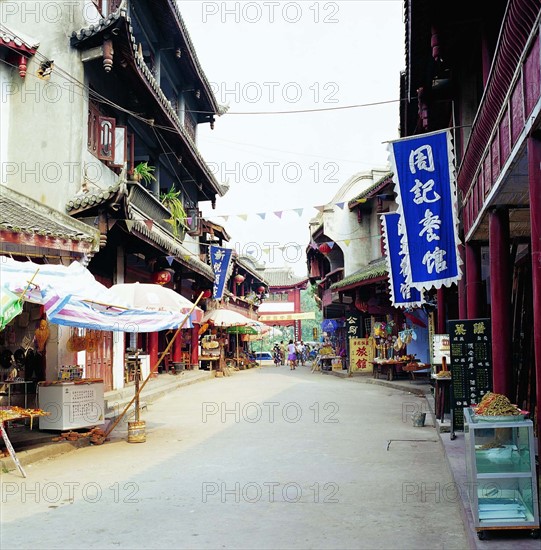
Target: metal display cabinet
500, 465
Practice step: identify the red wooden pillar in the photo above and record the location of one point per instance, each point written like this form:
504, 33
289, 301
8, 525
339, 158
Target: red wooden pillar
534, 176
440, 296
500, 300
194, 360
474, 284
297, 324
153, 350
177, 348
462, 297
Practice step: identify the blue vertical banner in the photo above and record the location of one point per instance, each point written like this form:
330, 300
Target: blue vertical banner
424, 176
220, 258
402, 293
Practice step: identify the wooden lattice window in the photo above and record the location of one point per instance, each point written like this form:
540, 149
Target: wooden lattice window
106, 140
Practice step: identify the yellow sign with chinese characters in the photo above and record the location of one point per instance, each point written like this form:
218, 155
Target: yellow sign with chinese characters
361, 354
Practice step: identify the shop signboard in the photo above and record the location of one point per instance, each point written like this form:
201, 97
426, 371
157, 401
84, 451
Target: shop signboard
353, 326
424, 175
361, 354
220, 259
441, 347
471, 366
402, 294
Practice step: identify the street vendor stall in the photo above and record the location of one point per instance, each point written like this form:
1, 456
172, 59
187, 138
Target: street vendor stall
70, 296
9, 414
224, 322
389, 368
327, 359
210, 353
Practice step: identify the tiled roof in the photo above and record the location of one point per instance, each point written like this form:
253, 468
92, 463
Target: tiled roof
252, 266
386, 179
112, 20
279, 276
11, 41
376, 269
21, 214
174, 248
93, 197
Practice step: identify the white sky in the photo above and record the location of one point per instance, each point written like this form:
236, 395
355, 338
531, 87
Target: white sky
283, 56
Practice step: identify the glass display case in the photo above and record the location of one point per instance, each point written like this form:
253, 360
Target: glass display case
500, 465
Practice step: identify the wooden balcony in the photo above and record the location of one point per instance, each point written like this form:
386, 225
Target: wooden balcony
151, 207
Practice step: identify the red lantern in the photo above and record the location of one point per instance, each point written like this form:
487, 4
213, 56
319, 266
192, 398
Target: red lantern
324, 248
161, 277
239, 279
261, 289
207, 294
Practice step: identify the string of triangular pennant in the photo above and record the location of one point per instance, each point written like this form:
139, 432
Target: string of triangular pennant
279, 213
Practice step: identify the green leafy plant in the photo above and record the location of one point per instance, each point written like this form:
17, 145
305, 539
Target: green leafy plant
173, 202
144, 172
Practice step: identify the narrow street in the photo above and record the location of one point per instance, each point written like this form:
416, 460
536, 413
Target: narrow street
266, 458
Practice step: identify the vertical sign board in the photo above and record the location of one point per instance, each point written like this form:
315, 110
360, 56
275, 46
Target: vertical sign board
471, 366
361, 354
441, 347
360, 350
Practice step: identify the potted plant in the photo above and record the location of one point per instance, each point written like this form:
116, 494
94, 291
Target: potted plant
173, 202
144, 172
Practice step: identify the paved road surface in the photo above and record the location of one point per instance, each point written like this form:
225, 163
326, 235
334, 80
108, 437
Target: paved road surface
267, 458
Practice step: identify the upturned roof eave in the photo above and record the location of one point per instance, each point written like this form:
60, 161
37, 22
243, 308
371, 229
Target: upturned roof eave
89, 37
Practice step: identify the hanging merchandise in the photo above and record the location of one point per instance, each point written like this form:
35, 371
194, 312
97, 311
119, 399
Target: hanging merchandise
379, 330
42, 335
77, 340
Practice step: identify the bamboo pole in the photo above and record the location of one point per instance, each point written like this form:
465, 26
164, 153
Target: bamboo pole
136, 396
21, 297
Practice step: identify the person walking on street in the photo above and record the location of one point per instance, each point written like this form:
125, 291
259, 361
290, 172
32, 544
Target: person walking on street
292, 355
283, 352
276, 355
301, 352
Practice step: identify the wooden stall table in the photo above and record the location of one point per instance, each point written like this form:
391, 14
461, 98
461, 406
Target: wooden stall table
7, 414
389, 368
326, 361
207, 362
414, 368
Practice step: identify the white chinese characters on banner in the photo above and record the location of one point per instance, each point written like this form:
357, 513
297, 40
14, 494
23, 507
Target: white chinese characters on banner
427, 206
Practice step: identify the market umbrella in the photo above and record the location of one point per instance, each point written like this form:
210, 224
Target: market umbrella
10, 306
151, 297
233, 321
226, 318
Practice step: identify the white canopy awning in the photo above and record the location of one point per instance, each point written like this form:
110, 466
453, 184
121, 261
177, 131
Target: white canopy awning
72, 297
